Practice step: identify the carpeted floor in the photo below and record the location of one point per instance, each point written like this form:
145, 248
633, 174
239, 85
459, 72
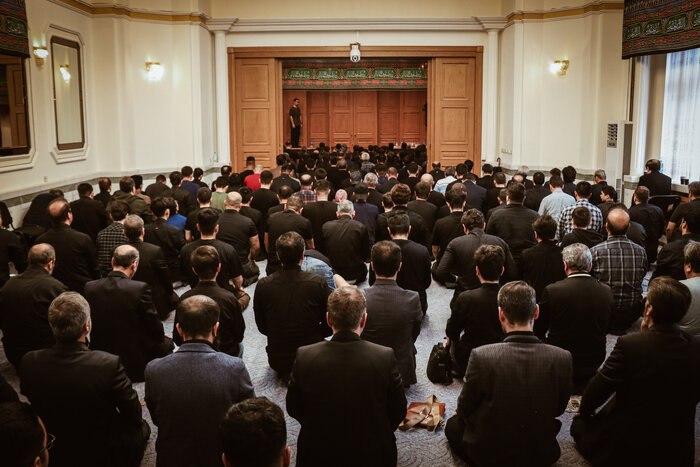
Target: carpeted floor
415, 447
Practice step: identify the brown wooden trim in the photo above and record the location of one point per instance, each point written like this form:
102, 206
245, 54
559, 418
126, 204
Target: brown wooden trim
611, 6
478, 84
344, 51
76, 46
233, 156
122, 11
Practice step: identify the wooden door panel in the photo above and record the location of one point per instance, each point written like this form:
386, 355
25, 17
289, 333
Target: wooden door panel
412, 116
287, 99
256, 110
365, 117
388, 103
341, 121
317, 110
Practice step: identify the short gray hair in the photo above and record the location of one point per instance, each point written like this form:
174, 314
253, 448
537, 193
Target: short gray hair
346, 207
600, 173
133, 226
577, 257
691, 255
234, 199
68, 314
371, 179
427, 178
125, 255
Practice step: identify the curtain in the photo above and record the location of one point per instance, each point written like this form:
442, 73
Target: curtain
680, 130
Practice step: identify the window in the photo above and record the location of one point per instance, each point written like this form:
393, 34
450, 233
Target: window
680, 131
67, 93
14, 126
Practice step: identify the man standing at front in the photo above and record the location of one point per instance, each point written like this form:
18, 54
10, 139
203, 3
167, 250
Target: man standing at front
295, 122
513, 391
346, 392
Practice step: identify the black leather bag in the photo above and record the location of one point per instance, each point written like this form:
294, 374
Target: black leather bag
439, 365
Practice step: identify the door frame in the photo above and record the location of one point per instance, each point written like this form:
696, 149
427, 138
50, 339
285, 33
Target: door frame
426, 52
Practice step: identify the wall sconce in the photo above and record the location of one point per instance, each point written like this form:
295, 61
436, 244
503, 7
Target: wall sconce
559, 67
40, 54
154, 71
65, 72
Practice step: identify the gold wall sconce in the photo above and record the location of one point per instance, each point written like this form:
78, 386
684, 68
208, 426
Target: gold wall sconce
154, 71
559, 67
40, 53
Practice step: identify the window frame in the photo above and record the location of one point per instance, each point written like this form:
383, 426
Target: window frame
75, 45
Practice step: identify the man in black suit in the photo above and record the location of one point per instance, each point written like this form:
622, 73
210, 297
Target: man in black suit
597, 188
76, 258
346, 243
290, 305
105, 186
357, 378
392, 180
542, 263
576, 311
84, 396
373, 196
459, 255
206, 264
89, 215
535, 195
285, 179
493, 426
651, 217
241, 233
445, 230
11, 250
24, 305
320, 212
486, 181
670, 260
153, 268
290, 220
231, 275
184, 201
123, 319
426, 209
476, 194
157, 188
264, 198
513, 223
658, 183
166, 236
674, 223
400, 196
394, 315
581, 218
491, 199
473, 320
655, 378
568, 173
415, 259
255, 216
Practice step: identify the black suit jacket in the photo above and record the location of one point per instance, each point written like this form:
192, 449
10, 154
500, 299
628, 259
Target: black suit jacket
11, 249
534, 196
123, 321
153, 270
419, 232
491, 406
89, 216
651, 217
513, 223
596, 190
543, 265
387, 186
476, 195
169, 238
576, 311
76, 257
415, 269
670, 260
319, 213
230, 263
427, 210
590, 238
655, 377
185, 203
491, 198
486, 181
24, 312
658, 183
334, 386
85, 399
346, 243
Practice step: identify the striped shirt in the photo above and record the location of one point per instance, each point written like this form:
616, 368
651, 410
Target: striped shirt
622, 265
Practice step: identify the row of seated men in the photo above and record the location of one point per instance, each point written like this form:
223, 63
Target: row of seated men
281, 333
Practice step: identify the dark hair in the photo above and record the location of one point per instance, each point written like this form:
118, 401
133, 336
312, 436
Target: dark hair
499, 177
461, 169
555, 171
487, 168
119, 209
400, 194
198, 172
266, 177
290, 248
669, 298
41, 254
207, 219
490, 260
386, 258
610, 191
653, 164
455, 198
518, 302
138, 181
516, 192
642, 194
158, 206
387, 201
84, 190
203, 195
422, 190
346, 306
133, 226
568, 174
691, 256
412, 168
175, 178
538, 178
253, 432
281, 159
322, 186
59, 215
250, 160
320, 173
186, 171
694, 189
160, 178
197, 315
104, 183
556, 181
545, 226
285, 191
583, 189
21, 435
221, 181
295, 202
398, 223
205, 262
473, 219
581, 217
126, 184
469, 164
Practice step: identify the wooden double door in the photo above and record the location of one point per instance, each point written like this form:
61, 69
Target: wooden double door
360, 117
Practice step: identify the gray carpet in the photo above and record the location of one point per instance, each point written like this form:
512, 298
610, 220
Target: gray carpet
415, 447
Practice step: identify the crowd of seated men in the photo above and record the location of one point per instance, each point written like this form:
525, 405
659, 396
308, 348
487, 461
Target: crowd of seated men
542, 271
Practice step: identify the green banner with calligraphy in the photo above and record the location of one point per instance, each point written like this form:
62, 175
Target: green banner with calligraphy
660, 26
393, 74
13, 28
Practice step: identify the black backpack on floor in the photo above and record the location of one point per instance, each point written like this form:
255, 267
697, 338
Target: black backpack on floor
439, 365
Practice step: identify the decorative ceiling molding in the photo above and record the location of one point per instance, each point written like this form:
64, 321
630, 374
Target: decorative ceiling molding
589, 8
356, 24
97, 10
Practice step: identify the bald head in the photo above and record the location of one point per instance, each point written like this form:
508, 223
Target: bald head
427, 178
618, 222
125, 259
233, 200
59, 212
41, 255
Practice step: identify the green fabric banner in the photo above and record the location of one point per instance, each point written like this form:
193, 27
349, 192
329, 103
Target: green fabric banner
13, 28
368, 75
660, 26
